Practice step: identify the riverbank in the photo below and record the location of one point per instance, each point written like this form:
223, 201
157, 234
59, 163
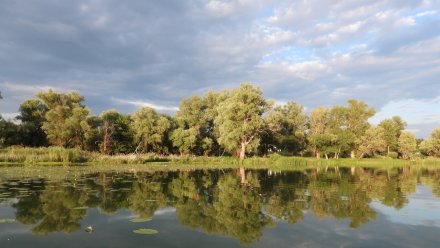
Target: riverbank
63, 156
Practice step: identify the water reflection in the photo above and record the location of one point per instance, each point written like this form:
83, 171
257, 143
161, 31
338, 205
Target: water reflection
236, 203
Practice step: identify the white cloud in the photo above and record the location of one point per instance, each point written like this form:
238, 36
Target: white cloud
140, 103
426, 13
317, 52
29, 89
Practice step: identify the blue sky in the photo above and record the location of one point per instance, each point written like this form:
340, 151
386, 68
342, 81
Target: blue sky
127, 54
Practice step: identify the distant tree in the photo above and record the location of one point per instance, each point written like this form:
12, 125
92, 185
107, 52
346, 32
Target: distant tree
191, 126
431, 146
211, 133
124, 135
65, 120
109, 119
372, 142
357, 115
319, 136
8, 133
342, 138
240, 120
149, 129
287, 125
407, 145
93, 134
32, 116
392, 129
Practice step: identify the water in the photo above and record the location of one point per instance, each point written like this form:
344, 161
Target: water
360, 207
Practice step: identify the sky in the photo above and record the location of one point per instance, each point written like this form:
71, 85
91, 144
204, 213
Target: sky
128, 54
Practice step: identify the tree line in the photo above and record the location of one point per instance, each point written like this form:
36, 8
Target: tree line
238, 122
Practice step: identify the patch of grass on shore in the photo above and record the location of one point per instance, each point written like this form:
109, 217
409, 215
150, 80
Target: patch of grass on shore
70, 156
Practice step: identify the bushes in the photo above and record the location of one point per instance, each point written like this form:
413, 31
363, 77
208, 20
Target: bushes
393, 155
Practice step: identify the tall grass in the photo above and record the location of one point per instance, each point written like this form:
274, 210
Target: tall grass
43, 155
60, 155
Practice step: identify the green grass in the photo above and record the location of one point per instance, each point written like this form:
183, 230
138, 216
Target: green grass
59, 156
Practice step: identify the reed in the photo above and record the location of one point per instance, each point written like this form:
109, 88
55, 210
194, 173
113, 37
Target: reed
71, 156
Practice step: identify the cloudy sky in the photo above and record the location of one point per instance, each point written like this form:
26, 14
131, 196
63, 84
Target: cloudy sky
126, 54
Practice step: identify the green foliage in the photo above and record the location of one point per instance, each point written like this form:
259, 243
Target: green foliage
392, 129
240, 120
431, 146
287, 126
65, 120
372, 142
232, 122
9, 133
393, 155
32, 116
149, 129
48, 155
407, 145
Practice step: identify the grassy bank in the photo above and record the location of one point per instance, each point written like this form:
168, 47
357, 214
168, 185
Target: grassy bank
63, 156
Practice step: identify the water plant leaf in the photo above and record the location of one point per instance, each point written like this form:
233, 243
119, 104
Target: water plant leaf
80, 208
137, 220
6, 221
145, 231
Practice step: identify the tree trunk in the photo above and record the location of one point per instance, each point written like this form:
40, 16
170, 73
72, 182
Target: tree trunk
318, 155
326, 156
243, 175
352, 154
243, 150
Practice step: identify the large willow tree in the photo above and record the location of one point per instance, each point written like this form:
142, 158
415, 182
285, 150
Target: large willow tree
149, 129
65, 120
240, 119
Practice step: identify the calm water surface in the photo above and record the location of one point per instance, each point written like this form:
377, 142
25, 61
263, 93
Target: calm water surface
359, 207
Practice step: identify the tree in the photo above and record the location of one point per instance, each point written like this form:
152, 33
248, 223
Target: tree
342, 138
32, 116
319, 137
65, 120
8, 133
123, 136
407, 145
149, 129
431, 146
287, 124
392, 129
240, 119
93, 136
357, 115
372, 141
109, 119
191, 126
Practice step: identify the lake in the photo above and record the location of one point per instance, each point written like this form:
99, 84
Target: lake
325, 207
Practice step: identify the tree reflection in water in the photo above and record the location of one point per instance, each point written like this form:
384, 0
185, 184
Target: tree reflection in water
236, 203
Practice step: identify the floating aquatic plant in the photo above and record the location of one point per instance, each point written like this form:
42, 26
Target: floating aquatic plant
6, 221
80, 208
137, 220
145, 231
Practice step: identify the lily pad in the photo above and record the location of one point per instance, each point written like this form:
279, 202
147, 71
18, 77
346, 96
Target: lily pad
137, 220
6, 221
145, 231
80, 208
